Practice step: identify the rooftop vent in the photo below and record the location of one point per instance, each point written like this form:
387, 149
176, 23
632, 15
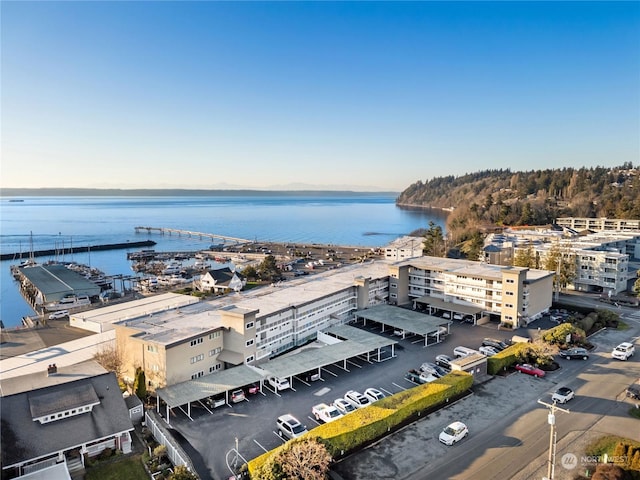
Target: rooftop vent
52, 369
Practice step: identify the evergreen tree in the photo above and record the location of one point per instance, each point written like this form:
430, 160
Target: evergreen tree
433, 243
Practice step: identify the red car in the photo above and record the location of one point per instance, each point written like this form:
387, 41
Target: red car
530, 370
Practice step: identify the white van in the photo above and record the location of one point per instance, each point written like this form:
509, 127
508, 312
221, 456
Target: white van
519, 339
460, 352
279, 383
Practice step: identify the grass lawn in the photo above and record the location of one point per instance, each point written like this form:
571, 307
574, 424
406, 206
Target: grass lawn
128, 467
606, 444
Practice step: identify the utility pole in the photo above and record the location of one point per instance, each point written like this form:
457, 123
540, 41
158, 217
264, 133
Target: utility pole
551, 418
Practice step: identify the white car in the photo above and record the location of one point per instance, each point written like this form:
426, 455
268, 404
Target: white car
356, 399
488, 351
326, 413
453, 433
563, 395
623, 351
290, 427
343, 406
373, 394
59, 314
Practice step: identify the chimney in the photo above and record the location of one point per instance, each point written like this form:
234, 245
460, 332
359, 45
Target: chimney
52, 369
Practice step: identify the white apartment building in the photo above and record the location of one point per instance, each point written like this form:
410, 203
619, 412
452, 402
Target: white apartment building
600, 224
403, 247
514, 294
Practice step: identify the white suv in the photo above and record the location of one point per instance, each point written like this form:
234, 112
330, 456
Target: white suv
623, 351
290, 427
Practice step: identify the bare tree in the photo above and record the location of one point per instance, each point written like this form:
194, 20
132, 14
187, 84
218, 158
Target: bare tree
109, 357
306, 460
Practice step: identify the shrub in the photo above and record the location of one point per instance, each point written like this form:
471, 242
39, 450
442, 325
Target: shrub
558, 335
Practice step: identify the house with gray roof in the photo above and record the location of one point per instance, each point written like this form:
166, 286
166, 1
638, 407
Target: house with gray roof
58, 416
221, 280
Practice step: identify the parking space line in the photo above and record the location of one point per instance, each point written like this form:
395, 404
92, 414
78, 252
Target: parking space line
313, 420
183, 411
256, 442
282, 439
300, 380
354, 364
385, 391
329, 372
205, 407
401, 388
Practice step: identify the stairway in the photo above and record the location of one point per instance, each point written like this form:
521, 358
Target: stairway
75, 467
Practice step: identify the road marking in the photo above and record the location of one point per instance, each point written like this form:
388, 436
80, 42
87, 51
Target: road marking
395, 384
354, 364
322, 391
256, 442
314, 420
329, 372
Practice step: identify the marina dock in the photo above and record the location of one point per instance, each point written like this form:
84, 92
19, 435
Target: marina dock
80, 249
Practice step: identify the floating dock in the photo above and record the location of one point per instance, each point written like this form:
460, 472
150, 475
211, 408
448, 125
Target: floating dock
90, 248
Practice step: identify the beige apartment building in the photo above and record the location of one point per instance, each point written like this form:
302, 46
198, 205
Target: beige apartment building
514, 294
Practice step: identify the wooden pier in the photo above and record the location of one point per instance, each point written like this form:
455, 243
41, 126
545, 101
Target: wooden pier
188, 233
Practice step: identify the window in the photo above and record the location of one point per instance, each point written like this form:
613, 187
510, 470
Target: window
249, 343
510, 280
197, 375
196, 341
197, 358
215, 351
393, 295
248, 325
249, 359
214, 335
508, 305
509, 293
152, 348
394, 285
215, 368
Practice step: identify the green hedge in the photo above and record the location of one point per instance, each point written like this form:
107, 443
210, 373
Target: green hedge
367, 424
506, 358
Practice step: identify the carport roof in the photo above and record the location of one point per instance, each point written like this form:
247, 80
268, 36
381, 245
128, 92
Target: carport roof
454, 307
355, 341
215, 384
407, 320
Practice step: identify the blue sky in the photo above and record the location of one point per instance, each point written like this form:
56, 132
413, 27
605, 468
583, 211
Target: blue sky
330, 94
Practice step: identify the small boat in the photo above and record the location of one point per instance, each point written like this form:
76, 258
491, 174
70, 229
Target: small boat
67, 302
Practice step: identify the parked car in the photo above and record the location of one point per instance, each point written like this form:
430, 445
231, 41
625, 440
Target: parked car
460, 352
530, 370
373, 394
623, 351
573, 353
497, 344
444, 361
439, 332
633, 391
343, 406
215, 402
254, 388
426, 377
563, 395
453, 433
356, 399
290, 427
433, 369
59, 314
237, 396
326, 413
279, 383
458, 316
488, 351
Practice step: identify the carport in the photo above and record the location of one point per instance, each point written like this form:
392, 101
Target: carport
405, 320
439, 304
195, 390
341, 343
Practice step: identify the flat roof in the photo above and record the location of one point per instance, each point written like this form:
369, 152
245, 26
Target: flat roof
41, 379
408, 320
56, 281
63, 354
136, 308
450, 306
209, 385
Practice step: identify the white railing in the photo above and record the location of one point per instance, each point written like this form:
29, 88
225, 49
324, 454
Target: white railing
34, 467
96, 448
174, 452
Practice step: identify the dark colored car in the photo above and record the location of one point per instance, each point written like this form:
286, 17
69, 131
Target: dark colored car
633, 391
492, 342
574, 353
444, 361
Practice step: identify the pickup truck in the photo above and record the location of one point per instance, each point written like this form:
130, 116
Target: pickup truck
325, 413
419, 377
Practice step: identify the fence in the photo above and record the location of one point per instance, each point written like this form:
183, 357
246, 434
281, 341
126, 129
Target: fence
175, 453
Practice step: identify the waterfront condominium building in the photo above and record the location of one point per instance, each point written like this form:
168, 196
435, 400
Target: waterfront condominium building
515, 295
600, 224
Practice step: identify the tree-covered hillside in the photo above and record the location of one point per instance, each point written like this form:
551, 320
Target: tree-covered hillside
483, 200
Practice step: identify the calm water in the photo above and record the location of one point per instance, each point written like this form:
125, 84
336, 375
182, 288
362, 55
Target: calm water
65, 222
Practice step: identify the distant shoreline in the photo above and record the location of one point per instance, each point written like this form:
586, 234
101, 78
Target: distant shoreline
424, 207
173, 192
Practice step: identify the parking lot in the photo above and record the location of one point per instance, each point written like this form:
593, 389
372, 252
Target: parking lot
252, 423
